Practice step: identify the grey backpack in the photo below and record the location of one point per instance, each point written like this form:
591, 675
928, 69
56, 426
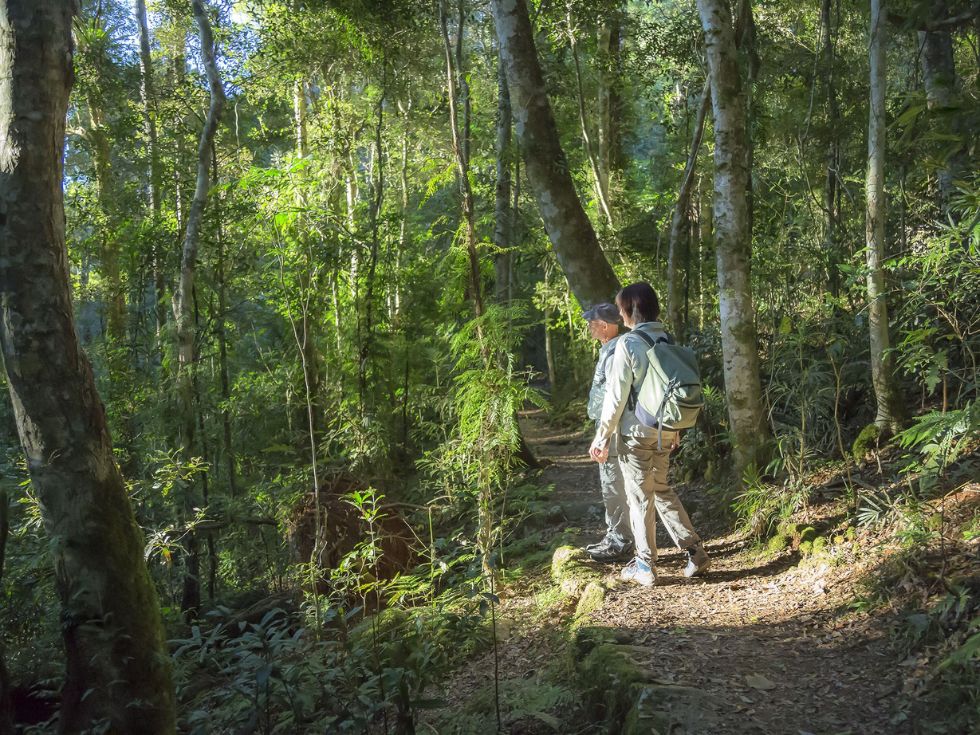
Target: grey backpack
670, 395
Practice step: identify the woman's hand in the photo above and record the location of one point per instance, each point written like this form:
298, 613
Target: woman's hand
599, 455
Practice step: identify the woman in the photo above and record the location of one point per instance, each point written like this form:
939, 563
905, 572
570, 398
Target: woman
642, 464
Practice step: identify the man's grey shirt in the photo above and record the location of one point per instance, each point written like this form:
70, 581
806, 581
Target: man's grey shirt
598, 390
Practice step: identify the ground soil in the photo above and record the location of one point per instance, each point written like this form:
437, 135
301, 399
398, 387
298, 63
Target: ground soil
773, 641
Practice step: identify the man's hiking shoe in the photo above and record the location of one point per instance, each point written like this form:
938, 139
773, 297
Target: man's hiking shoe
640, 572
612, 553
697, 561
604, 541
609, 550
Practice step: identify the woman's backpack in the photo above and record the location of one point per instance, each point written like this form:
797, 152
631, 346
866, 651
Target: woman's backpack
670, 395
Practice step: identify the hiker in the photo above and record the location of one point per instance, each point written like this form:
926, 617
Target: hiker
604, 325
643, 452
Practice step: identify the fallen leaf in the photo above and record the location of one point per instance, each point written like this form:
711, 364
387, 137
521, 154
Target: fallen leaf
758, 681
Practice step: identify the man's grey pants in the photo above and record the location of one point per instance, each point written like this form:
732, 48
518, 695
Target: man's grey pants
642, 471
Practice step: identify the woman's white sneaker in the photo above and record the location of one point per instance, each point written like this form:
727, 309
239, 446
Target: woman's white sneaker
640, 572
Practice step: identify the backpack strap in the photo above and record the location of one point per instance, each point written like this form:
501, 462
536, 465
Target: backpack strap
633, 397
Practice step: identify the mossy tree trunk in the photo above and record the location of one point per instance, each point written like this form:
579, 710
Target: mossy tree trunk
589, 274
733, 236
118, 674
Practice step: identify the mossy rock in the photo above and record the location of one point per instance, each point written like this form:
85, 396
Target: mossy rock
808, 534
866, 441
591, 600
571, 571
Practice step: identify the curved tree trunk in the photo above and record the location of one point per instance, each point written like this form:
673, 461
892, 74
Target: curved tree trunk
733, 236
118, 670
890, 410
589, 274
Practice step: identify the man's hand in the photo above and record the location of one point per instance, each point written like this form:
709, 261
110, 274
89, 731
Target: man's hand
677, 441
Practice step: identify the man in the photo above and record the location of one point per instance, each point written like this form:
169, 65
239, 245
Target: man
604, 325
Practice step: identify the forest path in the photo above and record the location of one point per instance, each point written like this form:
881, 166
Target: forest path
769, 642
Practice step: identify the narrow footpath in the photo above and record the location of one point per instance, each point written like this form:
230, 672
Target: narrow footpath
765, 643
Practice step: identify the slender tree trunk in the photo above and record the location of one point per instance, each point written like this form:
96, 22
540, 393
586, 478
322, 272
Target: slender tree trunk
148, 99
589, 274
378, 191
503, 214
733, 237
183, 301
590, 151
118, 669
299, 113
461, 151
832, 182
609, 100
890, 410
220, 322
679, 224
115, 298
706, 220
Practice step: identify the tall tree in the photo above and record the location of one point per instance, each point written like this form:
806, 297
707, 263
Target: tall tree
733, 235
890, 409
589, 274
183, 300
118, 676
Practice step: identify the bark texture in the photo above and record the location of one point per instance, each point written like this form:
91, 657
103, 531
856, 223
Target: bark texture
733, 236
118, 674
889, 413
589, 274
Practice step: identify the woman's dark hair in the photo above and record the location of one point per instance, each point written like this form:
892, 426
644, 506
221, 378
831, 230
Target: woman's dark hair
639, 301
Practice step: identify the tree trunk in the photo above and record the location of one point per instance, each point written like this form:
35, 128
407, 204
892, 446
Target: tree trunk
117, 673
150, 131
183, 301
832, 181
461, 152
733, 237
679, 224
609, 102
503, 214
589, 274
890, 410
109, 252
590, 151
942, 99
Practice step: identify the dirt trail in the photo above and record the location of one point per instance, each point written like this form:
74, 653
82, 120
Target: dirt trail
770, 644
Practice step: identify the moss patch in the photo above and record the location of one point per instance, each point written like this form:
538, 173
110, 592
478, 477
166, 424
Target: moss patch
865, 442
571, 572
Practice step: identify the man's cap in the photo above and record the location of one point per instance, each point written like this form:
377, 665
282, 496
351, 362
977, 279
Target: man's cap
603, 312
